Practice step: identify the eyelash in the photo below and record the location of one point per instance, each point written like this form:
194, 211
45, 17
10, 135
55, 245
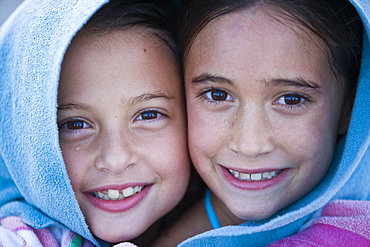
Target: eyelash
209, 99
303, 99
151, 111
64, 124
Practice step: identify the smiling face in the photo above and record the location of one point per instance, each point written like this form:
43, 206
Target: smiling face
264, 111
122, 131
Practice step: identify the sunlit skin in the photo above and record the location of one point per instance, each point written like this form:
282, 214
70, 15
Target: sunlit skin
261, 97
121, 122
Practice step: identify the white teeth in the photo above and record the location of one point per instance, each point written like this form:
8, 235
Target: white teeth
116, 194
137, 189
120, 197
128, 192
113, 194
244, 176
254, 176
100, 194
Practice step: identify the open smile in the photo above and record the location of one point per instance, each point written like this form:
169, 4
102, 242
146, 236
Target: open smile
254, 180
114, 195
254, 176
118, 200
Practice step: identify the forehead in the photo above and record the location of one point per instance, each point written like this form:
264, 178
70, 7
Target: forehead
131, 61
256, 36
256, 23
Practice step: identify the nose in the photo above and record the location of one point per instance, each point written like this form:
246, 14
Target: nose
116, 152
251, 133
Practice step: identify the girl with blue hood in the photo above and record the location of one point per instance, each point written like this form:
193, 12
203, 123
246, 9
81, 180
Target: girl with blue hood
278, 122
93, 133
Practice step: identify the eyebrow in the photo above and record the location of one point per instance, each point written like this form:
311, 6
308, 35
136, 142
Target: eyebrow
206, 77
73, 106
296, 82
151, 96
138, 99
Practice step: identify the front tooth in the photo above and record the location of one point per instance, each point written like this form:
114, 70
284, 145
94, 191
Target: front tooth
256, 176
128, 192
113, 194
137, 189
245, 176
265, 174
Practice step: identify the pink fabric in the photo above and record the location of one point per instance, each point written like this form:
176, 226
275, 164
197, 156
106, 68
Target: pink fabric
14, 232
342, 223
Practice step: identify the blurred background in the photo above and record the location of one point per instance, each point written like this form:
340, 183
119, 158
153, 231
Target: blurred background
7, 7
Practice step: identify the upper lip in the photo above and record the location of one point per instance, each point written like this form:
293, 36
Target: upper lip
253, 171
117, 187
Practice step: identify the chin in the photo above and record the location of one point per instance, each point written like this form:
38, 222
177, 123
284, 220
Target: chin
117, 237
254, 214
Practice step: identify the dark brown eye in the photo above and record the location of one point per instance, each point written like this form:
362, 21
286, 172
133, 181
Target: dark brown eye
292, 99
74, 125
149, 115
218, 95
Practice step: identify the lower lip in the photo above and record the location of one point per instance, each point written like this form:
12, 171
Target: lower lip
115, 206
253, 185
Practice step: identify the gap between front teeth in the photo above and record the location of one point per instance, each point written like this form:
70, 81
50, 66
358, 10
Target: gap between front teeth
117, 194
254, 176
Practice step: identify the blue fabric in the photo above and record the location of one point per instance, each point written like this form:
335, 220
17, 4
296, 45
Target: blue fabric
348, 177
212, 216
34, 183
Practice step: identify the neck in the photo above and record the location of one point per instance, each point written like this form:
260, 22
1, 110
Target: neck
224, 215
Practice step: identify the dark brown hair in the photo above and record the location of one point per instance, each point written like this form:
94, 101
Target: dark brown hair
156, 16
335, 22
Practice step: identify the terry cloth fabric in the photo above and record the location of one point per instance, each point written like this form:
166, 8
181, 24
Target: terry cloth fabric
347, 179
34, 183
341, 223
14, 232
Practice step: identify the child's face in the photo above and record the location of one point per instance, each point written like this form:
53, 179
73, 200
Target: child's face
122, 131
264, 112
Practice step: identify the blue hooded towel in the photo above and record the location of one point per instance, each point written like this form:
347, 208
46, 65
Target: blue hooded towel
348, 177
34, 183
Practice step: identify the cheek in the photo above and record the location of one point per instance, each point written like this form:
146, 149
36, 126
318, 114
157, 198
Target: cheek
173, 143
311, 140
75, 159
171, 163
208, 132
